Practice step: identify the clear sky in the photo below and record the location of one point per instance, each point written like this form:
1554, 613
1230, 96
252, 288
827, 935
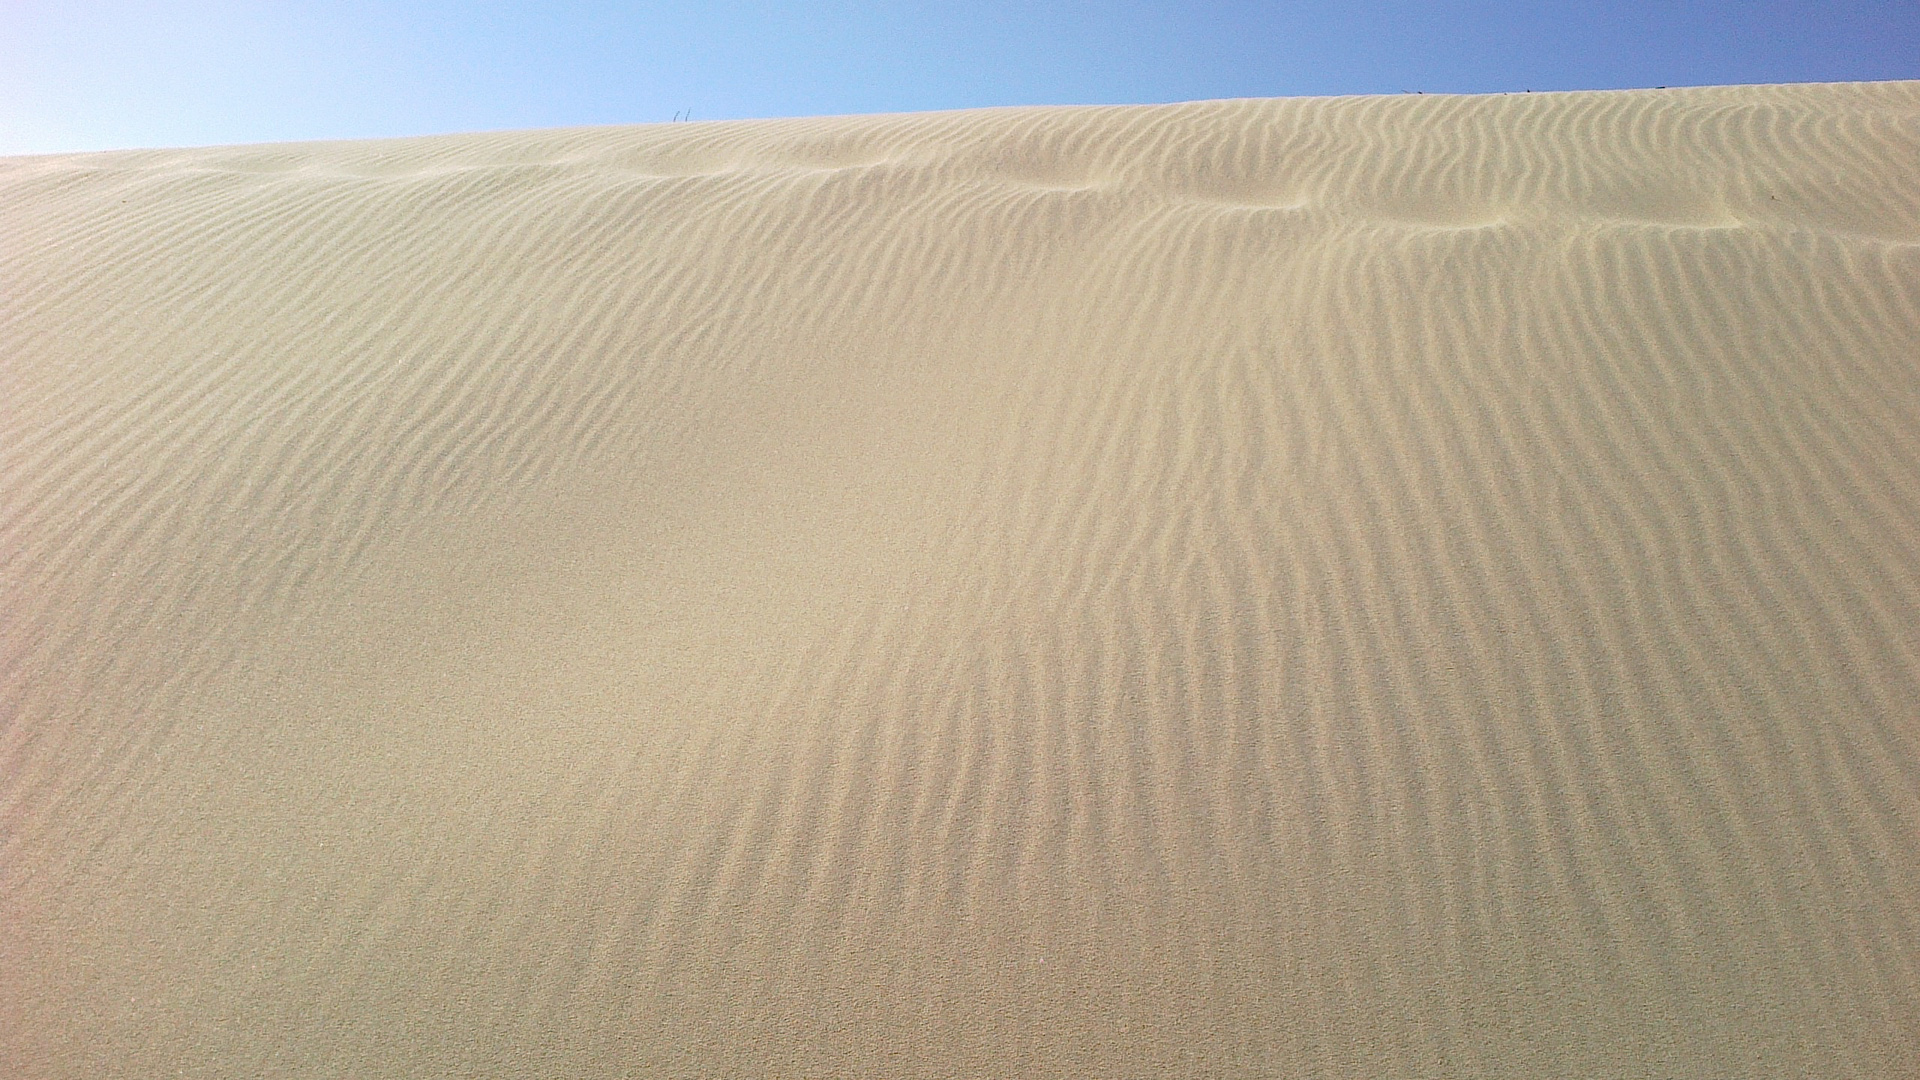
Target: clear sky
98, 74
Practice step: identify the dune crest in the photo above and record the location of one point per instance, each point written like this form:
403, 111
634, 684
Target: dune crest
1421, 586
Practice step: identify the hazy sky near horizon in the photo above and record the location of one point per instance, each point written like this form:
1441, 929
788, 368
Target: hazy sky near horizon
84, 75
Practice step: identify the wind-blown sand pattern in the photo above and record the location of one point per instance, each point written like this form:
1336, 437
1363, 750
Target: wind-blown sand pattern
1377, 587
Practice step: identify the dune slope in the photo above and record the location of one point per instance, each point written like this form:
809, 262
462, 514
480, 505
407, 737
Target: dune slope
1421, 586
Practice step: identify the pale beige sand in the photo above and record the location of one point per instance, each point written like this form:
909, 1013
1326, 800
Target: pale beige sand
1366, 588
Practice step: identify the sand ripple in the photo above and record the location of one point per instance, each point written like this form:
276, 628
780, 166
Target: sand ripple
1420, 586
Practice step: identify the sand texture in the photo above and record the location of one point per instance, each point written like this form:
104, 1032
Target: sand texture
1369, 587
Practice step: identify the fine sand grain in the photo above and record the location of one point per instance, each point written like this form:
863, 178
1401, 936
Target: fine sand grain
1374, 587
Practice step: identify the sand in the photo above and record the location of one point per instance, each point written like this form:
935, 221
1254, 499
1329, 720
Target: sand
1374, 587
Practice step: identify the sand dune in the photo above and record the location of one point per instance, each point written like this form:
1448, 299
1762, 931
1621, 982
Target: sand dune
1378, 587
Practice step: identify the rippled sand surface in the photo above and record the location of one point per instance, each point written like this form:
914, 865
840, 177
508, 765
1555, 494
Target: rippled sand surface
1372, 587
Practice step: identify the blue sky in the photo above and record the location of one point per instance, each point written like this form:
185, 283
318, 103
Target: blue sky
80, 75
